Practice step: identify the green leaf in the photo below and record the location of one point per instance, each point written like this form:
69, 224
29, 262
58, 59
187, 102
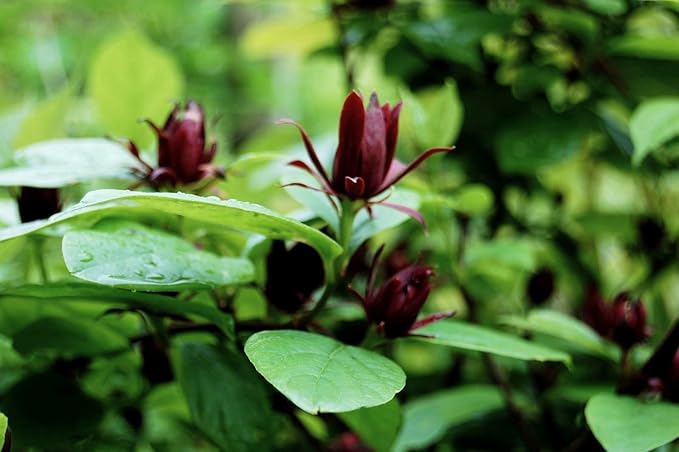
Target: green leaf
319, 374
426, 419
131, 256
472, 199
130, 78
653, 47
653, 124
226, 397
50, 411
474, 337
610, 7
626, 424
3, 429
230, 213
73, 337
153, 303
57, 163
294, 34
515, 253
377, 426
45, 121
564, 327
432, 117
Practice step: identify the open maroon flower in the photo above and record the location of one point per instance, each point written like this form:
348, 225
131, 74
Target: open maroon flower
394, 307
183, 155
38, 203
364, 164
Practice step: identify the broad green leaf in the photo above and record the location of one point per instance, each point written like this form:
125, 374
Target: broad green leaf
474, 337
426, 419
153, 303
377, 426
610, 7
3, 429
45, 120
57, 163
230, 213
432, 117
653, 123
226, 397
131, 256
516, 253
652, 47
71, 337
288, 35
626, 424
50, 411
319, 374
564, 327
383, 217
131, 79
472, 199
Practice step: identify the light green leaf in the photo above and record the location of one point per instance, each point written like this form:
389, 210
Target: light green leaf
72, 337
611, 7
130, 78
230, 213
131, 256
626, 424
432, 117
45, 120
474, 337
652, 47
377, 426
56, 163
3, 429
426, 419
226, 397
509, 252
153, 303
653, 124
294, 34
472, 199
319, 374
564, 327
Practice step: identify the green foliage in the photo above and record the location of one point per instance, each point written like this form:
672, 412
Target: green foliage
319, 374
377, 426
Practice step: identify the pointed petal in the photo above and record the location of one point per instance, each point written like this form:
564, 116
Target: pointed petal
370, 285
392, 134
431, 319
352, 124
304, 167
309, 148
417, 216
397, 170
373, 147
354, 187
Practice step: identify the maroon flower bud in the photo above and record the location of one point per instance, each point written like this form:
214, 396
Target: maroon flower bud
183, 154
540, 286
628, 321
292, 275
38, 203
595, 312
348, 442
364, 164
395, 306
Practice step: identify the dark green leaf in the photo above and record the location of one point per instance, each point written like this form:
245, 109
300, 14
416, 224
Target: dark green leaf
377, 426
319, 374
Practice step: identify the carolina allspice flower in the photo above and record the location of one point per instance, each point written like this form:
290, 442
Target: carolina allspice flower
183, 156
364, 164
628, 321
38, 203
292, 275
394, 307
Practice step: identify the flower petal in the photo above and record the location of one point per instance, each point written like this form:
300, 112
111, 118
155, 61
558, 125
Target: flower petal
398, 170
391, 119
352, 123
309, 148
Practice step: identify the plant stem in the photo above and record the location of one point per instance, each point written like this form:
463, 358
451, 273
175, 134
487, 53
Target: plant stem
40, 260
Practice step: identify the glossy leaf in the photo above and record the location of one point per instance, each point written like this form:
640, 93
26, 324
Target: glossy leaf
71, 337
426, 419
475, 337
230, 213
226, 397
57, 163
131, 256
130, 79
319, 374
653, 124
626, 424
376, 426
3, 428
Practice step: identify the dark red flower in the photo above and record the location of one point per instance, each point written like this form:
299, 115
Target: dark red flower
183, 154
394, 307
348, 442
292, 275
595, 312
38, 203
628, 321
364, 164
